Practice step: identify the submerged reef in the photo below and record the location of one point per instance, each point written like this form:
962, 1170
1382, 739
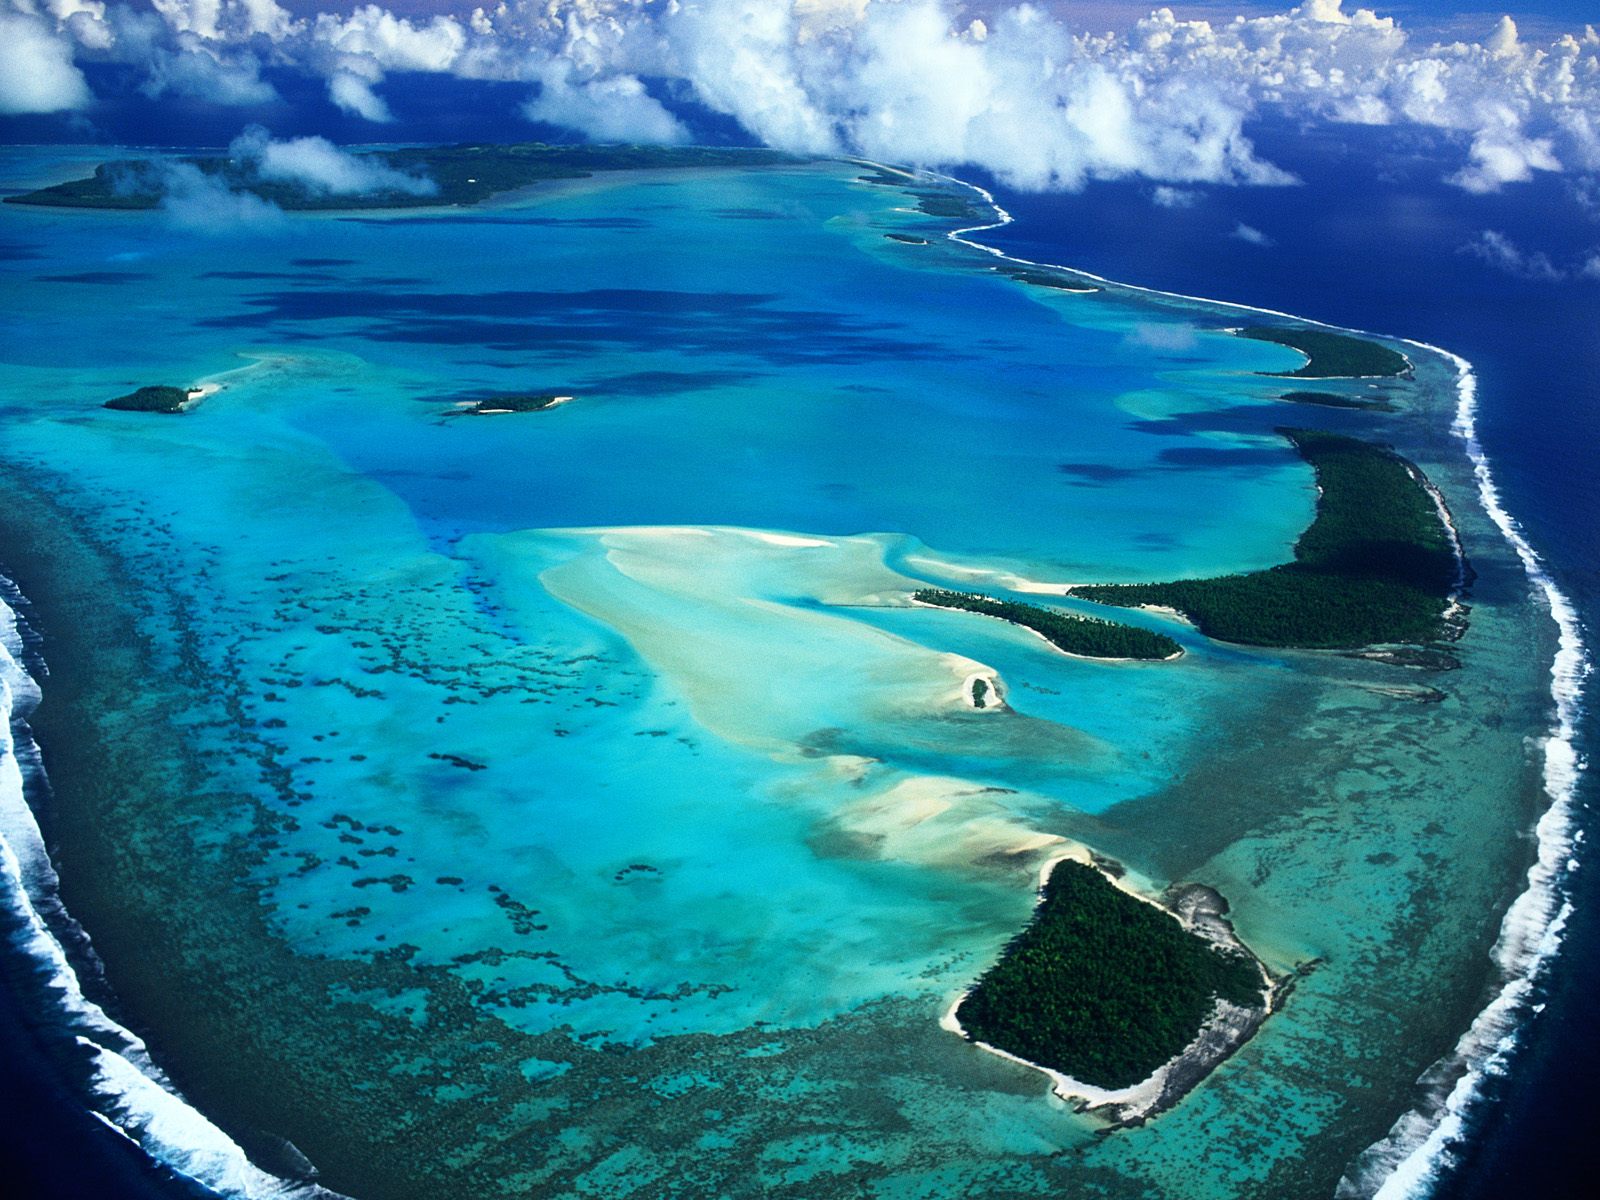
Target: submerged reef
1378, 563
1333, 400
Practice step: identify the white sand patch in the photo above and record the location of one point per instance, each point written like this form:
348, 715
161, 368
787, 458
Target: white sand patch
786, 539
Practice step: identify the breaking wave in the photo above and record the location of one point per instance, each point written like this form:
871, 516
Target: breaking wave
128, 1091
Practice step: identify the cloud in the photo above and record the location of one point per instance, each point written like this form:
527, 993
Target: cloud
194, 70
354, 95
203, 203
1506, 158
1520, 109
392, 43
36, 70
1173, 197
1249, 233
612, 109
1500, 252
1016, 94
218, 19
321, 168
1161, 336
1017, 91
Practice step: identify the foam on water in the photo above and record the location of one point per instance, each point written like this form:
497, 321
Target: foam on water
132, 1094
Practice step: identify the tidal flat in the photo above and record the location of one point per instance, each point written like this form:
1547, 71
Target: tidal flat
571, 805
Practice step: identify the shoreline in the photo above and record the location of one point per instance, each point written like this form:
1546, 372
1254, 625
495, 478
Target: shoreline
1418, 1149
1201, 911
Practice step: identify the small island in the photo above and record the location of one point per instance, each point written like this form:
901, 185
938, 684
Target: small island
501, 403
1041, 277
1086, 637
948, 202
907, 239
1378, 564
1125, 1003
1330, 355
156, 399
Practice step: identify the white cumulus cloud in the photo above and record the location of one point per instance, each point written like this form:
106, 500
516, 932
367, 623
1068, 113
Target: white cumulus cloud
1163, 196
1017, 89
1504, 254
353, 94
320, 167
37, 74
203, 203
611, 109
194, 70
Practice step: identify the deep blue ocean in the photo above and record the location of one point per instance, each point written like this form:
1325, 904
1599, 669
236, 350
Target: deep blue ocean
1373, 240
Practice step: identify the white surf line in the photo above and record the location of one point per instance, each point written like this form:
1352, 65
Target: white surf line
137, 1100
1411, 1160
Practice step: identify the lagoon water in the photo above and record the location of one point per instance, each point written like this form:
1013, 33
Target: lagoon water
568, 803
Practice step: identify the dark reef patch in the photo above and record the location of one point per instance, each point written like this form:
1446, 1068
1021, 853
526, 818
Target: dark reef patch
96, 277
582, 321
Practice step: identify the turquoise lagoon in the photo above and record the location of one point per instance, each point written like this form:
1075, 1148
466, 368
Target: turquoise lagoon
567, 803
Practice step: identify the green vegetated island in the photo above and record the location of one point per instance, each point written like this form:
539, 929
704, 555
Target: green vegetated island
1107, 989
498, 403
1089, 637
155, 399
463, 174
930, 197
1045, 277
1331, 355
1377, 564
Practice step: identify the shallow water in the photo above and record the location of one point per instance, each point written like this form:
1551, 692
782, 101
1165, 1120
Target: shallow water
568, 801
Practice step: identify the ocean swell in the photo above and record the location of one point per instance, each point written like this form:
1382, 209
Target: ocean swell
1423, 1144
129, 1092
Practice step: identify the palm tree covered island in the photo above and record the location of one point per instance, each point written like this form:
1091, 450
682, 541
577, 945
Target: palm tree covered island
1102, 986
1088, 637
1377, 565
1331, 355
